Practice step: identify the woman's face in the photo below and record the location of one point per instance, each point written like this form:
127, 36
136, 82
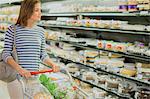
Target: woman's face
36, 16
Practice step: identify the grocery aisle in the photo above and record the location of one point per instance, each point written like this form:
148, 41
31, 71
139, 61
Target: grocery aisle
103, 44
3, 91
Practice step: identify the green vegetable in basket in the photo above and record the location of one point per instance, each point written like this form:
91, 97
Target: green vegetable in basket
52, 87
48, 84
43, 78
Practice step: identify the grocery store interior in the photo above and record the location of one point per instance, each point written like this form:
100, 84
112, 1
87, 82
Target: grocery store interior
104, 44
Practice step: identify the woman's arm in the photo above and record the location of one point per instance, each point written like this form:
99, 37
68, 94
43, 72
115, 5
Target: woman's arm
49, 62
45, 58
18, 68
6, 55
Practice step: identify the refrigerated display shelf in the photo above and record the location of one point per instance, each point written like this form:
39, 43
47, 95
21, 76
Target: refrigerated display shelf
6, 21
105, 89
60, 15
125, 77
94, 85
98, 29
121, 14
18, 2
129, 55
128, 14
10, 3
108, 14
140, 82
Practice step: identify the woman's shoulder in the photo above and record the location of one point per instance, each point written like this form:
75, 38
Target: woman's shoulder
11, 26
10, 29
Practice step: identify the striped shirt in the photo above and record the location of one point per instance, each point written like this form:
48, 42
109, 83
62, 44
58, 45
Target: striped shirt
30, 46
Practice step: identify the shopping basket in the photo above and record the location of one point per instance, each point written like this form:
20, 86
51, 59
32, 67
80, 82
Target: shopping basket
33, 89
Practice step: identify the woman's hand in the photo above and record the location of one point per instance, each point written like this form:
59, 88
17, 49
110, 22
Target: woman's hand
55, 68
50, 63
25, 73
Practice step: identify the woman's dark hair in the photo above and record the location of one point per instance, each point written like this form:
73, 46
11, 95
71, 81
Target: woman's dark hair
26, 10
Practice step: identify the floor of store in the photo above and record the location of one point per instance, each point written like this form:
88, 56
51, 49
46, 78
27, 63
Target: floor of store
3, 91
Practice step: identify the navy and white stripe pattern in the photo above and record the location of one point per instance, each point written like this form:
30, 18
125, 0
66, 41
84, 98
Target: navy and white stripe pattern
30, 46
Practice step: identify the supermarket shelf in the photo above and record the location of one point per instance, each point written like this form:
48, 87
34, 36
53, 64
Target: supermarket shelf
8, 3
107, 72
129, 55
121, 14
108, 14
6, 21
142, 12
59, 15
134, 56
107, 90
98, 29
125, 77
114, 14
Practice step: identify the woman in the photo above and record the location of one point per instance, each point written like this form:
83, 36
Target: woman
30, 45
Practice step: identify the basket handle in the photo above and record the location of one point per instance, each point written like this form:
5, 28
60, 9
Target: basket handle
41, 72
